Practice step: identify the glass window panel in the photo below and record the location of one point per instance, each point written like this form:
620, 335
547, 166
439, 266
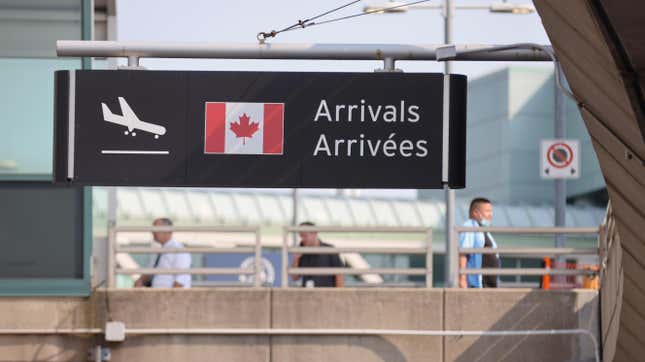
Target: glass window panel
518, 216
407, 213
431, 214
272, 210
129, 204
500, 216
340, 215
225, 209
362, 212
384, 213
153, 203
39, 24
26, 114
200, 204
316, 211
42, 232
287, 205
249, 212
178, 205
540, 216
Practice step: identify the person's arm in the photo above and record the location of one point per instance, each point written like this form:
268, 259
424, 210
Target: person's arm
466, 240
295, 263
182, 261
142, 281
340, 281
337, 262
145, 278
463, 283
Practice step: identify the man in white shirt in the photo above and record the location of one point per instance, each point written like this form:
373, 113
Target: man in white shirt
167, 261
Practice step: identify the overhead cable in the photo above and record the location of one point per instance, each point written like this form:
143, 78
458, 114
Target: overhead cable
301, 24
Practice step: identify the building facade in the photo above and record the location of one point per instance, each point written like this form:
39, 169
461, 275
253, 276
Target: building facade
509, 112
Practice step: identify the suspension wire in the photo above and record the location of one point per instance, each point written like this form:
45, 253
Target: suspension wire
301, 24
368, 13
333, 10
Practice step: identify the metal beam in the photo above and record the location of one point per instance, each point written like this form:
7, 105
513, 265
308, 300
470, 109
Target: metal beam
192, 271
362, 250
356, 271
210, 250
527, 271
355, 229
530, 251
190, 229
74, 48
528, 230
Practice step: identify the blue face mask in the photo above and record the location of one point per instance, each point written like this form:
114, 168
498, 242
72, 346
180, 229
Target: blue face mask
484, 222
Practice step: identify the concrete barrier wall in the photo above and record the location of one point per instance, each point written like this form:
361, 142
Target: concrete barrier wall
30, 313
422, 309
519, 310
351, 309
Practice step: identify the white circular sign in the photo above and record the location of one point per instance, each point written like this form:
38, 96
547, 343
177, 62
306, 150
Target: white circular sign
267, 271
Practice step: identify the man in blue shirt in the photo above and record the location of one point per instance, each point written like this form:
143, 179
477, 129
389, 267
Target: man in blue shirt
480, 213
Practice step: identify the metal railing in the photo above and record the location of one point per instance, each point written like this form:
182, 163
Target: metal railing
287, 271
542, 252
286, 249
114, 249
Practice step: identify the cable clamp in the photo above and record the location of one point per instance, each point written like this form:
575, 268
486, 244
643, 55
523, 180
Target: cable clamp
446, 52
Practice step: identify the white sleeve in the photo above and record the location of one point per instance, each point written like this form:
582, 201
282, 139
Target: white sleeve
182, 261
467, 240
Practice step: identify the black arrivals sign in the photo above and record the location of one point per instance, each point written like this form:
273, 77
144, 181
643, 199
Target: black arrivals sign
260, 129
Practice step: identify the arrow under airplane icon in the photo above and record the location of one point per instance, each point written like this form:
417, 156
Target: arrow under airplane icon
130, 120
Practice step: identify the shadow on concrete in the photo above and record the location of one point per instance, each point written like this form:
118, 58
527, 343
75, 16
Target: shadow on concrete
45, 348
343, 348
193, 348
535, 311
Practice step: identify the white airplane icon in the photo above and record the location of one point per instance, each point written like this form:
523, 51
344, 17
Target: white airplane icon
130, 120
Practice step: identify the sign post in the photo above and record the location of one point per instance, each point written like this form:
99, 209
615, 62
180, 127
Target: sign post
259, 129
560, 159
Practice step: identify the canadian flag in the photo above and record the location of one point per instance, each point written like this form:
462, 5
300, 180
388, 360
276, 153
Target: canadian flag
244, 128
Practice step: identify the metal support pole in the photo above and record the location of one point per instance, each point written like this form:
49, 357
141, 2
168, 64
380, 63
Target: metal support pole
452, 247
294, 216
388, 65
452, 256
285, 258
258, 259
76, 48
133, 61
112, 206
429, 258
560, 201
87, 25
111, 262
98, 354
294, 200
447, 30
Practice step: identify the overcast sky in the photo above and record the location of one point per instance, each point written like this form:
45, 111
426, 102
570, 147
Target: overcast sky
239, 22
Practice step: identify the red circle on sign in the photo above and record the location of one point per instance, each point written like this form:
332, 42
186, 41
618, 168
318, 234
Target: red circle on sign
554, 152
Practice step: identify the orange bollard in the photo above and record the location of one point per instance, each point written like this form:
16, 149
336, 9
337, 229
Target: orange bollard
546, 279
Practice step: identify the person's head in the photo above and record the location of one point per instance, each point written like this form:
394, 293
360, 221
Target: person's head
481, 209
308, 238
162, 237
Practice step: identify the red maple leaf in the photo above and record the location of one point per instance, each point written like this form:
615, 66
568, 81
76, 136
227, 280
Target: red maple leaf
243, 128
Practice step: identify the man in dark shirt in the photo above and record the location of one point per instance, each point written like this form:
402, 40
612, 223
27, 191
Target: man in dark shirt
310, 239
